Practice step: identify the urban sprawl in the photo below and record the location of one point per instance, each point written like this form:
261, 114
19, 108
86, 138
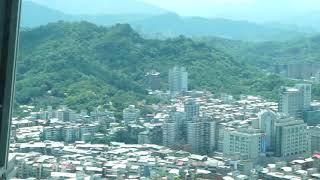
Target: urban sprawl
193, 135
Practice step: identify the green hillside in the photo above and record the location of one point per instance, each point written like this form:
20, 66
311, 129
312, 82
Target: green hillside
267, 54
84, 65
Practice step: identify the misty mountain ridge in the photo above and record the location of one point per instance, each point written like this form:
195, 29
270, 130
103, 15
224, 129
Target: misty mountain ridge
167, 24
101, 7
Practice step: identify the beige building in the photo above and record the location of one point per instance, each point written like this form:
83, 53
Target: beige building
248, 143
291, 102
291, 138
315, 139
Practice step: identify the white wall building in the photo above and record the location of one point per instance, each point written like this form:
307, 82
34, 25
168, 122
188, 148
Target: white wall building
178, 80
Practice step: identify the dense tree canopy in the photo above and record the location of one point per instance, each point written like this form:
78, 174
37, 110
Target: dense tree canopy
83, 65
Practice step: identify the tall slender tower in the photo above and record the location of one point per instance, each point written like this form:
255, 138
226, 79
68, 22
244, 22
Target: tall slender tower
305, 89
178, 80
266, 122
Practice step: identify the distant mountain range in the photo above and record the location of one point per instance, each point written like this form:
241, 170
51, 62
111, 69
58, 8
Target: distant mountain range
94, 7
166, 24
174, 25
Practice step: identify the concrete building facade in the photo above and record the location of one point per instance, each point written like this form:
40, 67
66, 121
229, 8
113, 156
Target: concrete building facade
178, 80
291, 138
201, 136
291, 102
131, 114
247, 143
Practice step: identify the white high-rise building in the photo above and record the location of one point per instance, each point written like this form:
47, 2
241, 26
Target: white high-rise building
266, 122
178, 80
291, 138
131, 114
246, 142
305, 89
291, 102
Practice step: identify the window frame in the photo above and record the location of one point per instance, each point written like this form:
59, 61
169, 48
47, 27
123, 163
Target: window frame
9, 33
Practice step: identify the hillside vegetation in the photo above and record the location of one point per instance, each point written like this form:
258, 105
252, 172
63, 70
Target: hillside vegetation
267, 54
83, 65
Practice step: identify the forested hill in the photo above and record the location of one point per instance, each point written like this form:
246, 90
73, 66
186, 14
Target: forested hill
267, 54
83, 65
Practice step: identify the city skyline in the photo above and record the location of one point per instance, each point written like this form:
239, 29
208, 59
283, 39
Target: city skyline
141, 89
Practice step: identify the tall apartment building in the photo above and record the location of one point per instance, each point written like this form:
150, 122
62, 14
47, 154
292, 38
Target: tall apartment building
152, 80
131, 114
178, 80
179, 118
247, 142
295, 100
305, 89
191, 108
155, 134
291, 102
169, 134
201, 136
291, 138
220, 129
315, 139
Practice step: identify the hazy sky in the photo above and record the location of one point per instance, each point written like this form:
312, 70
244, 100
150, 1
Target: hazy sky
251, 10
99, 6
258, 10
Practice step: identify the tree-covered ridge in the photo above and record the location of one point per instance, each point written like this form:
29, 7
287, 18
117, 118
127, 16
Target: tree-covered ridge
83, 65
267, 54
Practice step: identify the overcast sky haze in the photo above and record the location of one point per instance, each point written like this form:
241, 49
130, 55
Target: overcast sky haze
254, 10
251, 10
